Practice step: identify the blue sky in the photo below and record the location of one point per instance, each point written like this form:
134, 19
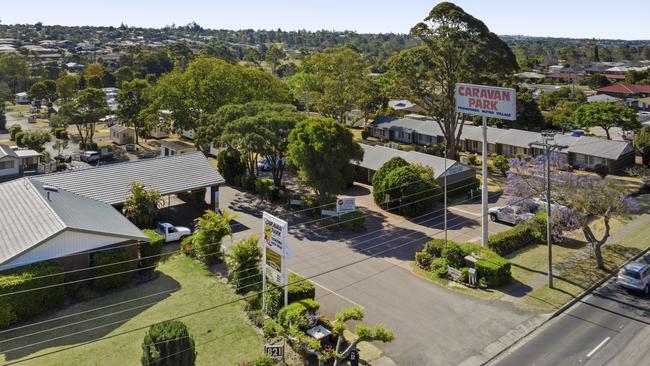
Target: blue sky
567, 18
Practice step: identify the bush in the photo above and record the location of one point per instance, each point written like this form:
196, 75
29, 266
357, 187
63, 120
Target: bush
464, 275
353, 221
453, 254
247, 182
187, 246
18, 307
538, 226
295, 315
423, 259
243, 261
510, 240
13, 131
412, 190
263, 360
601, 170
434, 247
168, 344
298, 289
266, 188
60, 133
501, 164
365, 134
230, 165
439, 267
18, 138
271, 328
109, 263
150, 251
378, 178
495, 270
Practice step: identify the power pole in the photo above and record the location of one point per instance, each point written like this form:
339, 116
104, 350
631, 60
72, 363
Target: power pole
445, 191
548, 144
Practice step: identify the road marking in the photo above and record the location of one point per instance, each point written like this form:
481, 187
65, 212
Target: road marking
331, 291
597, 347
464, 211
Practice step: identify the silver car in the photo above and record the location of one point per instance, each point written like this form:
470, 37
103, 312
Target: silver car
635, 276
511, 214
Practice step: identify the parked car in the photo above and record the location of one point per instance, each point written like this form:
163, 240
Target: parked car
511, 214
541, 202
171, 232
635, 276
89, 156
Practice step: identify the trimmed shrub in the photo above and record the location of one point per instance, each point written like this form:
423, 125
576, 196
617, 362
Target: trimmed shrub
299, 289
412, 190
109, 268
495, 270
378, 178
150, 251
423, 259
168, 344
295, 315
353, 221
439, 267
464, 275
453, 254
510, 240
13, 131
537, 226
17, 307
434, 247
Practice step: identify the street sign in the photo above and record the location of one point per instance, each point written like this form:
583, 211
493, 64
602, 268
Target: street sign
346, 204
275, 351
486, 101
275, 251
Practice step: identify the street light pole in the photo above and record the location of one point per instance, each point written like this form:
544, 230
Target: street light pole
484, 191
445, 191
548, 145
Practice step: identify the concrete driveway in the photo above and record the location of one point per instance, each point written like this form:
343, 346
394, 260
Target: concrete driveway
433, 325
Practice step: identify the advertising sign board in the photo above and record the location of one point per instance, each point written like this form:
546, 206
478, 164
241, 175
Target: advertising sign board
275, 249
486, 101
346, 204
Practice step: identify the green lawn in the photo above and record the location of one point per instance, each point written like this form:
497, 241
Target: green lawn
223, 335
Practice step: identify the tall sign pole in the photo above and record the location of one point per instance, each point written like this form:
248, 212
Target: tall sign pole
486, 101
548, 145
275, 252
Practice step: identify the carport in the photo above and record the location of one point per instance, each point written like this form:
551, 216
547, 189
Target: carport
180, 175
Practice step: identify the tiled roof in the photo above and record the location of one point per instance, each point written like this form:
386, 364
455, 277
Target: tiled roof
625, 88
111, 183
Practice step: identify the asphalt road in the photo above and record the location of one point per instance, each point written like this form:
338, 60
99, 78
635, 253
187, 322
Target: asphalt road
433, 325
608, 327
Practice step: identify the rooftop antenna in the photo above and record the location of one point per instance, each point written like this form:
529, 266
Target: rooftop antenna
49, 189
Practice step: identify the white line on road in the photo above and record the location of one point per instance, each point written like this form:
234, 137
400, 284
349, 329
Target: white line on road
597, 347
330, 291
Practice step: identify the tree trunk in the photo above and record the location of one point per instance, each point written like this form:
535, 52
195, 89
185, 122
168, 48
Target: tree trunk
607, 133
597, 244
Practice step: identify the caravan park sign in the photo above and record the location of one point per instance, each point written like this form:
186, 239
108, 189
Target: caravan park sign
486, 101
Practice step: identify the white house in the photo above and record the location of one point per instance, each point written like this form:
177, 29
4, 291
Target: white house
175, 147
122, 135
9, 162
14, 163
22, 98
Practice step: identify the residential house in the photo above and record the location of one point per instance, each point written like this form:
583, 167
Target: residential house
644, 104
42, 222
122, 135
602, 98
625, 90
376, 156
405, 106
562, 76
22, 98
175, 147
15, 163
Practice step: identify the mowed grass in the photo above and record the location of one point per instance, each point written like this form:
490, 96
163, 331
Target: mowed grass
223, 335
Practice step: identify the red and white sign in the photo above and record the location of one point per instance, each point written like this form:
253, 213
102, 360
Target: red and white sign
488, 101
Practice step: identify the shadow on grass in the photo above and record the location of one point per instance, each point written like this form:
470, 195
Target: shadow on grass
517, 289
84, 321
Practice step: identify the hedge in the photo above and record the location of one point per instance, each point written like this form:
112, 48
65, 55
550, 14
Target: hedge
453, 254
107, 264
168, 344
494, 270
353, 221
17, 307
150, 251
510, 240
299, 289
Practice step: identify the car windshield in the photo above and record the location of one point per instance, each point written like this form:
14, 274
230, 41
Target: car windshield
160, 228
631, 273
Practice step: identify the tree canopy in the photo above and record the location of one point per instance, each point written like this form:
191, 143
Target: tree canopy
606, 116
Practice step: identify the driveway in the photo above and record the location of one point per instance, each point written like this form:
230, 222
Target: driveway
433, 325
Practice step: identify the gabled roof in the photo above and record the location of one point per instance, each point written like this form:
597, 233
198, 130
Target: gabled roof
519, 138
376, 156
594, 146
599, 98
7, 151
31, 217
625, 88
111, 183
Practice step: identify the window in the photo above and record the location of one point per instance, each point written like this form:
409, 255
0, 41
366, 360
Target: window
6, 164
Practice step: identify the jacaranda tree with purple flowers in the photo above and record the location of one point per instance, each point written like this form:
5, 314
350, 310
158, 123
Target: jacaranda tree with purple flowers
585, 198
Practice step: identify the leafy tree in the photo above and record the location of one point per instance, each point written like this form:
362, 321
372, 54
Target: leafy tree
141, 205
59, 146
286, 70
67, 86
321, 150
34, 139
342, 80
181, 54
132, 100
529, 116
230, 164
274, 56
3, 117
168, 343
642, 143
304, 87
562, 116
252, 56
123, 74
458, 48
364, 333
246, 136
209, 231
221, 51
549, 101
606, 116
243, 261
94, 70
378, 190
596, 81
94, 81
208, 84
89, 107
14, 130
500, 163
50, 90
38, 91
412, 190
13, 69
276, 128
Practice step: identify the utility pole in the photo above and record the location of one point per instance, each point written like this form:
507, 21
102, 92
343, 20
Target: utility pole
484, 191
445, 191
548, 144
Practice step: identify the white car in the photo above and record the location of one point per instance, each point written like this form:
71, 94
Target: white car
265, 165
635, 276
511, 214
89, 156
541, 202
171, 232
